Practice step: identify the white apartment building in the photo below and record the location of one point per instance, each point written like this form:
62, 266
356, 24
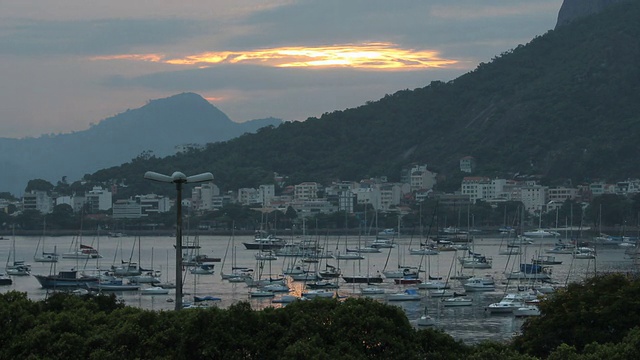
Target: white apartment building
365, 196
562, 194
140, 206
266, 194
126, 209
628, 187
98, 199
423, 180
37, 200
390, 195
533, 197
248, 196
485, 189
306, 191
202, 196
478, 188
64, 200
467, 164
153, 204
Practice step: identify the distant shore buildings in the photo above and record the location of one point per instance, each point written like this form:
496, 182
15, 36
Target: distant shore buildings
310, 198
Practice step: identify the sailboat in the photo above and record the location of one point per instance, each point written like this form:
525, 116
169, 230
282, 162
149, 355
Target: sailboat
361, 279
425, 320
16, 267
44, 256
167, 284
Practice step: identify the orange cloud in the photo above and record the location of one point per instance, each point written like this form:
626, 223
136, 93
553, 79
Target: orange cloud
382, 56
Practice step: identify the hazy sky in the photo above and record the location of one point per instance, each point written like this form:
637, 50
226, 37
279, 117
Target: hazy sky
66, 64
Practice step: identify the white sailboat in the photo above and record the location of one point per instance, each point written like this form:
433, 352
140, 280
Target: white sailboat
16, 267
40, 254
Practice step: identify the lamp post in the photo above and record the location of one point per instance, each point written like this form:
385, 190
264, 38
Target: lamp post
178, 178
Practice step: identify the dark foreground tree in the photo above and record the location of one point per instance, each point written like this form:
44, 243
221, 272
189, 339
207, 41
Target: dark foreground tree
603, 309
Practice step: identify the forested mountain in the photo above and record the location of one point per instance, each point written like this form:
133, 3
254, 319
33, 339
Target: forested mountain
154, 128
564, 106
576, 9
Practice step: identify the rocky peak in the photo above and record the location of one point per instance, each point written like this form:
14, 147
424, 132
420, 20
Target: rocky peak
575, 9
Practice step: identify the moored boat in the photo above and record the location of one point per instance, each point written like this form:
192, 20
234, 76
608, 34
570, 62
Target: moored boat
65, 279
457, 301
154, 290
407, 295
362, 279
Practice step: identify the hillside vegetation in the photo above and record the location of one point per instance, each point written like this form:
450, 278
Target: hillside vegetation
564, 106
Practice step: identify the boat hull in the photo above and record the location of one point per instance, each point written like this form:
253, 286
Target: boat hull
61, 281
362, 279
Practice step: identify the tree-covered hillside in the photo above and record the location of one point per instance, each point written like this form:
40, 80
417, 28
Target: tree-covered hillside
566, 105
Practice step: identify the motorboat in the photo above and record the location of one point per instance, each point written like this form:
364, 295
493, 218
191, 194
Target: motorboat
372, 291
476, 262
407, 295
83, 252
530, 272
400, 273
65, 279
508, 303
476, 284
5, 280
528, 310
382, 243
204, 269
18, 268
150, 277
262, 241
407, 280
126, 269
584, 253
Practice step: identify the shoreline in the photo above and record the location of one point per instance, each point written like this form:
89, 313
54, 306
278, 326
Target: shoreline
7, 234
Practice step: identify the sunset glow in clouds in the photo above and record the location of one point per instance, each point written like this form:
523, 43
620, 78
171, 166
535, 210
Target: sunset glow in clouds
288, 59
380, 56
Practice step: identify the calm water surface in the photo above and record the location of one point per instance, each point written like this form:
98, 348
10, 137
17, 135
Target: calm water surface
470, 324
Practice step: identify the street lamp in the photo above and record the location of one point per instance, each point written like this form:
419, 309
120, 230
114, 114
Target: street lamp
178, 178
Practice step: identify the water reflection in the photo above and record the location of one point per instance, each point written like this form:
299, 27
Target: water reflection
470, 323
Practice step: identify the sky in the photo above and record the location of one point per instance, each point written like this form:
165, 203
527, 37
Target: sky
68, 64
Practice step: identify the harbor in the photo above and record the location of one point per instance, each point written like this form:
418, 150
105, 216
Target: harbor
471, 323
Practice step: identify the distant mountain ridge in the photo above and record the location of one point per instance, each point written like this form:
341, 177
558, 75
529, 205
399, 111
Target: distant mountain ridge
158, 127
